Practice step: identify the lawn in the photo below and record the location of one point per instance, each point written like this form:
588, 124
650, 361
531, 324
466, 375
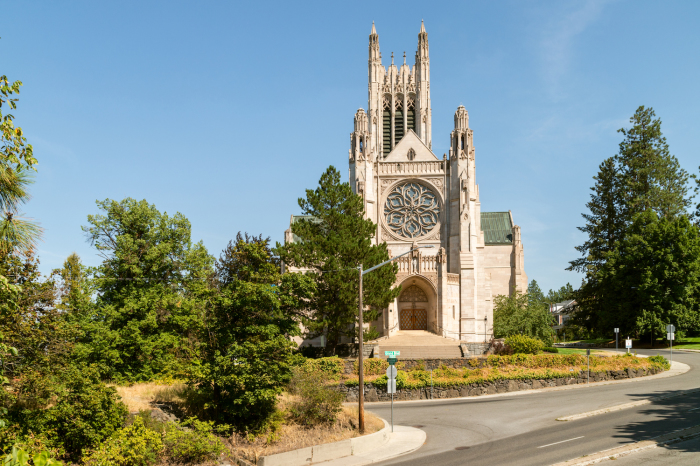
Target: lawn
577, 351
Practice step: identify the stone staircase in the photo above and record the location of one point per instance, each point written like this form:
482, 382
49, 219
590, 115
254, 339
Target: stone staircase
418, 344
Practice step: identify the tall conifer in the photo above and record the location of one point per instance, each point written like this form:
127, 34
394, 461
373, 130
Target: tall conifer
335, 239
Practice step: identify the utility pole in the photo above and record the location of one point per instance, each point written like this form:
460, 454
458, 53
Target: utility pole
361, 371
361, 360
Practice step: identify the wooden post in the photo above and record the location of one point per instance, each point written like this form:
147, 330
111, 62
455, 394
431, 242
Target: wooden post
361, 367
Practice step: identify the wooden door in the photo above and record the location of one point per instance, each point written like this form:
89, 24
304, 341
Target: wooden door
413, 319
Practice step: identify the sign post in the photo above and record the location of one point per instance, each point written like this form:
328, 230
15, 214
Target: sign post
588, 362
671, 335
617, 331
391, 388
628, 344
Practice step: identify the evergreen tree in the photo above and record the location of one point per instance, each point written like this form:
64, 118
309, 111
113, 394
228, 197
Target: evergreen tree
653, 178
605, 223
152, 286
245, 342
335, 239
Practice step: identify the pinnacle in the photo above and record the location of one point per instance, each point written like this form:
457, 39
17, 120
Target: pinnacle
374, 30
422, 26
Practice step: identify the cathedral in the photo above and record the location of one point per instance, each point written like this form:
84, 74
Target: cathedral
417, 198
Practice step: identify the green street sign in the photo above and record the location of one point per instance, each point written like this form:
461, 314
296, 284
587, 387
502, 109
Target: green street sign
392, 354
392, 361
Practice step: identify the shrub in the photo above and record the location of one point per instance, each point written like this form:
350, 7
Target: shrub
19, 457
76, 413
500, 348
194, 445
134, 445
550, 349
318, 403
661, 361
524, 345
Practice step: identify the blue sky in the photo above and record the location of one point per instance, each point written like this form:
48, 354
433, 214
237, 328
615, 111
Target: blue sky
228, 111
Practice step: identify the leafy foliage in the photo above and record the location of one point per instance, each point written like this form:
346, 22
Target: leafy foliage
523, 314
16, 157
19, 457
246, 355
638, 197
193, 442
522, 344
317, 403
134, 445
152, 287
335, 239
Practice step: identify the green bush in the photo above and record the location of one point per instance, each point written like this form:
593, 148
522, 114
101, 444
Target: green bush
522, 344
550, 349
19, 457
194, 445
134, 445
318, 403
71, 414
661, 361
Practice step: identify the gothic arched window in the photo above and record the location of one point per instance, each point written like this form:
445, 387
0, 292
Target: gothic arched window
411, 113
398, 120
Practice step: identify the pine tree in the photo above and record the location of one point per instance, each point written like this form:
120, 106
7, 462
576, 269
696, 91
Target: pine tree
335, 239
653, 178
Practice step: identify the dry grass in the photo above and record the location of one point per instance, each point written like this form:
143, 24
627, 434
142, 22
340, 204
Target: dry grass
139, 396
292, 436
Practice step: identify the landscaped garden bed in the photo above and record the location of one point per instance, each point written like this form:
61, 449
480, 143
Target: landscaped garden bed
485, 375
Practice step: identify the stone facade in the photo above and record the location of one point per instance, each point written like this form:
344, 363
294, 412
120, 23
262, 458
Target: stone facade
418, 199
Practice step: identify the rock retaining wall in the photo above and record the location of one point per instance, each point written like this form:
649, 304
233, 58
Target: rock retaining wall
373, 393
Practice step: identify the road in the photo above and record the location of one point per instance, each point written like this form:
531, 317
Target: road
521, 429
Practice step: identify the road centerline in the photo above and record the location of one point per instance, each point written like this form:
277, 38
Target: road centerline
557, 443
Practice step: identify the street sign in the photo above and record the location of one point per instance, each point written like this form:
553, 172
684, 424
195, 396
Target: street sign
628, 343
670, 328
391, 387
588, 351
617, 330
392, 354
391, 372
670, 336
391, 361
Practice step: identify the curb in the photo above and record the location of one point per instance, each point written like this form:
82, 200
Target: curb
617, 452
357, 451
677, 368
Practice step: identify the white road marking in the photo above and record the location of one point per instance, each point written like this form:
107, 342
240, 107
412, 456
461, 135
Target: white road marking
556, 443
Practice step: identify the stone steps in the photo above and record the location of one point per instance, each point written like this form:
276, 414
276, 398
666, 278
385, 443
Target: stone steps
421, 352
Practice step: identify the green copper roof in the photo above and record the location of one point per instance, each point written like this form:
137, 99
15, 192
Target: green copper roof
497, 227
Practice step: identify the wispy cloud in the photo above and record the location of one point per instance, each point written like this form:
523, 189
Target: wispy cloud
558, 37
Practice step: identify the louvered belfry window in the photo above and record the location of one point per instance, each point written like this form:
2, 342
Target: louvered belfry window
411, 113
398, 120
386, 126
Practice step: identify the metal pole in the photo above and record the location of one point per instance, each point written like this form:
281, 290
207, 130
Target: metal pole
431, 383
392, 411
588, 362
671, 341
361, 367
616, 334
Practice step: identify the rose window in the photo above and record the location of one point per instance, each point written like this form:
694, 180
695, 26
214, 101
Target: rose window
411, 210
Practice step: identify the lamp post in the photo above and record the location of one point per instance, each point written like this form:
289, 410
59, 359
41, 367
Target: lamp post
361, 366
485, 327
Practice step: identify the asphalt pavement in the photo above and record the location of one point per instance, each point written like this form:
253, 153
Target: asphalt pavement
522, 429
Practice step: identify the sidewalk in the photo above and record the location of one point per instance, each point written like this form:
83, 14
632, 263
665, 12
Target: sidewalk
402, 441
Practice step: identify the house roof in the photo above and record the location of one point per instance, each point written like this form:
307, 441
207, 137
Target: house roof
497, 228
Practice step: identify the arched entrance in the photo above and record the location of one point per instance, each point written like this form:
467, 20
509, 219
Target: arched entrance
415, 316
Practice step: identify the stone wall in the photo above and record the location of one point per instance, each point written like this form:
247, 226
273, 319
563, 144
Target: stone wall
373, 393
427, 364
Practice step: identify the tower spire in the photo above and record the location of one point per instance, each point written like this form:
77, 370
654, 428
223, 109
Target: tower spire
374, 30
422, 26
